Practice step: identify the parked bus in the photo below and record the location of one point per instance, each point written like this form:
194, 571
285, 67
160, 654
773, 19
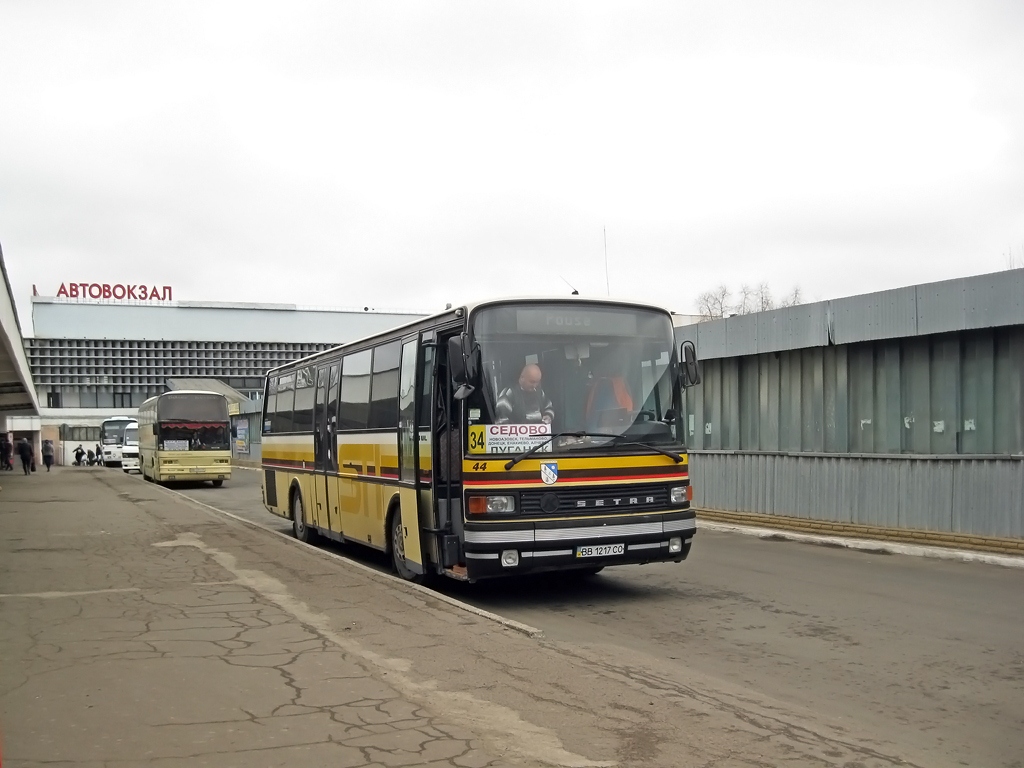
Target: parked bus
185, 435
112, 439
130, 448
406, 441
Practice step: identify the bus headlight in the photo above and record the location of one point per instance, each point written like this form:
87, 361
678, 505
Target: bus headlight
675, 545
509, 558
678, 494
482, 505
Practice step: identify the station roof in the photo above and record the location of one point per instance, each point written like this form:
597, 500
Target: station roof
17, 394
59, 318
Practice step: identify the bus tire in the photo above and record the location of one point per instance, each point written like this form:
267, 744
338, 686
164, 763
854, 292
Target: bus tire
302, 531
218, 483
396, 541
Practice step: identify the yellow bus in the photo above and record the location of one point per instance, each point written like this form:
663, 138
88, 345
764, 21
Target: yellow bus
500, 438
185, 435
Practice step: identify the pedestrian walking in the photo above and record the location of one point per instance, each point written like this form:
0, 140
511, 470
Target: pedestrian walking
5, 452
48, 454
25, 452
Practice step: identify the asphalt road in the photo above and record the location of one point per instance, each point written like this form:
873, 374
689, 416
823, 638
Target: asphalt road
922, 656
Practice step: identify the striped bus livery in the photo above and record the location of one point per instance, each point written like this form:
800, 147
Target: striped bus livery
396, 441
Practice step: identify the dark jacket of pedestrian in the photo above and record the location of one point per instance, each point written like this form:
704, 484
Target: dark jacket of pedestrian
48, 454
25, 452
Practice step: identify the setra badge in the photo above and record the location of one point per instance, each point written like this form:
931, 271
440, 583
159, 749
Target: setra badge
549, 472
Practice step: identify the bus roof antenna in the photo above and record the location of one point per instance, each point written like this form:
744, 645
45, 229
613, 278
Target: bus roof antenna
574, 291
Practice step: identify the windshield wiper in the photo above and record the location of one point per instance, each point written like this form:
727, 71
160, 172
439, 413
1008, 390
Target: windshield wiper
530, 451
622, 440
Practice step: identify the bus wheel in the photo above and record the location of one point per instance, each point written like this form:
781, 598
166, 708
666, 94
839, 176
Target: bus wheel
218, 483
299, 528
398, 549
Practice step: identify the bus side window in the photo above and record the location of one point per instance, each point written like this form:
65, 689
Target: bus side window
354, 407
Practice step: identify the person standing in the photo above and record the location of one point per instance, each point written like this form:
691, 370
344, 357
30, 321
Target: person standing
25, 452
5, 452
48, 454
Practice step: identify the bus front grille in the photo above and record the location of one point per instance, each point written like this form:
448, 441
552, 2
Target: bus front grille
625, 498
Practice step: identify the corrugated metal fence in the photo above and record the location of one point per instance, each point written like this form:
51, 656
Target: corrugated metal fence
898, 409
979, 496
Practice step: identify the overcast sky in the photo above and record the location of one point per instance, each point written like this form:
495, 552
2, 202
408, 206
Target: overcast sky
403, 155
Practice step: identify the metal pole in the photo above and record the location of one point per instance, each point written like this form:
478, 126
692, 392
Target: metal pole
607, 282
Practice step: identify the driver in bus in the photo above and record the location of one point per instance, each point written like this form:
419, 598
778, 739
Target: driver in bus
525, 402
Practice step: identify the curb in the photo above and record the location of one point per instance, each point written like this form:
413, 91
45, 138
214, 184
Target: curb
866, 545
910, 536
386, 578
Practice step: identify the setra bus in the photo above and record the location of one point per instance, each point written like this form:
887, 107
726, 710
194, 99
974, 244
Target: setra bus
112, 439
185, 435
500, 438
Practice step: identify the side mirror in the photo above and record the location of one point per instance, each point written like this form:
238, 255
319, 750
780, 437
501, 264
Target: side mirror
456, 361
464, 364
156, 429
234, 431
691, 371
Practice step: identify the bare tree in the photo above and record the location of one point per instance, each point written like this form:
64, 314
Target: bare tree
763, 298
716, 303
795, 298
1013, 261
713, 304
747, 302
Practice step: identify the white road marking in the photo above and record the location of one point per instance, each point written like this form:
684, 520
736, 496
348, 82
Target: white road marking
390, 579
501, 725
56, 595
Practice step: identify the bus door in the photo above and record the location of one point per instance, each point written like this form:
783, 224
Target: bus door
414, 508
325, 459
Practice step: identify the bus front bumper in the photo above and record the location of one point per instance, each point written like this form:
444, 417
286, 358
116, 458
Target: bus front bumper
171, 473
577, 544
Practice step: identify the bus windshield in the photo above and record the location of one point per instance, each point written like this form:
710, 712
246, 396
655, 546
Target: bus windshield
573, 368
193, 421
131, 435
192, 406
193, 436
112, 432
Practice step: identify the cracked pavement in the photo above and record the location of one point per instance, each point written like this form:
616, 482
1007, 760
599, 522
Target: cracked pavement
139, 629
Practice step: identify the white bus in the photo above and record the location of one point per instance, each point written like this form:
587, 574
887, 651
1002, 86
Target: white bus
112, 439
130, 449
